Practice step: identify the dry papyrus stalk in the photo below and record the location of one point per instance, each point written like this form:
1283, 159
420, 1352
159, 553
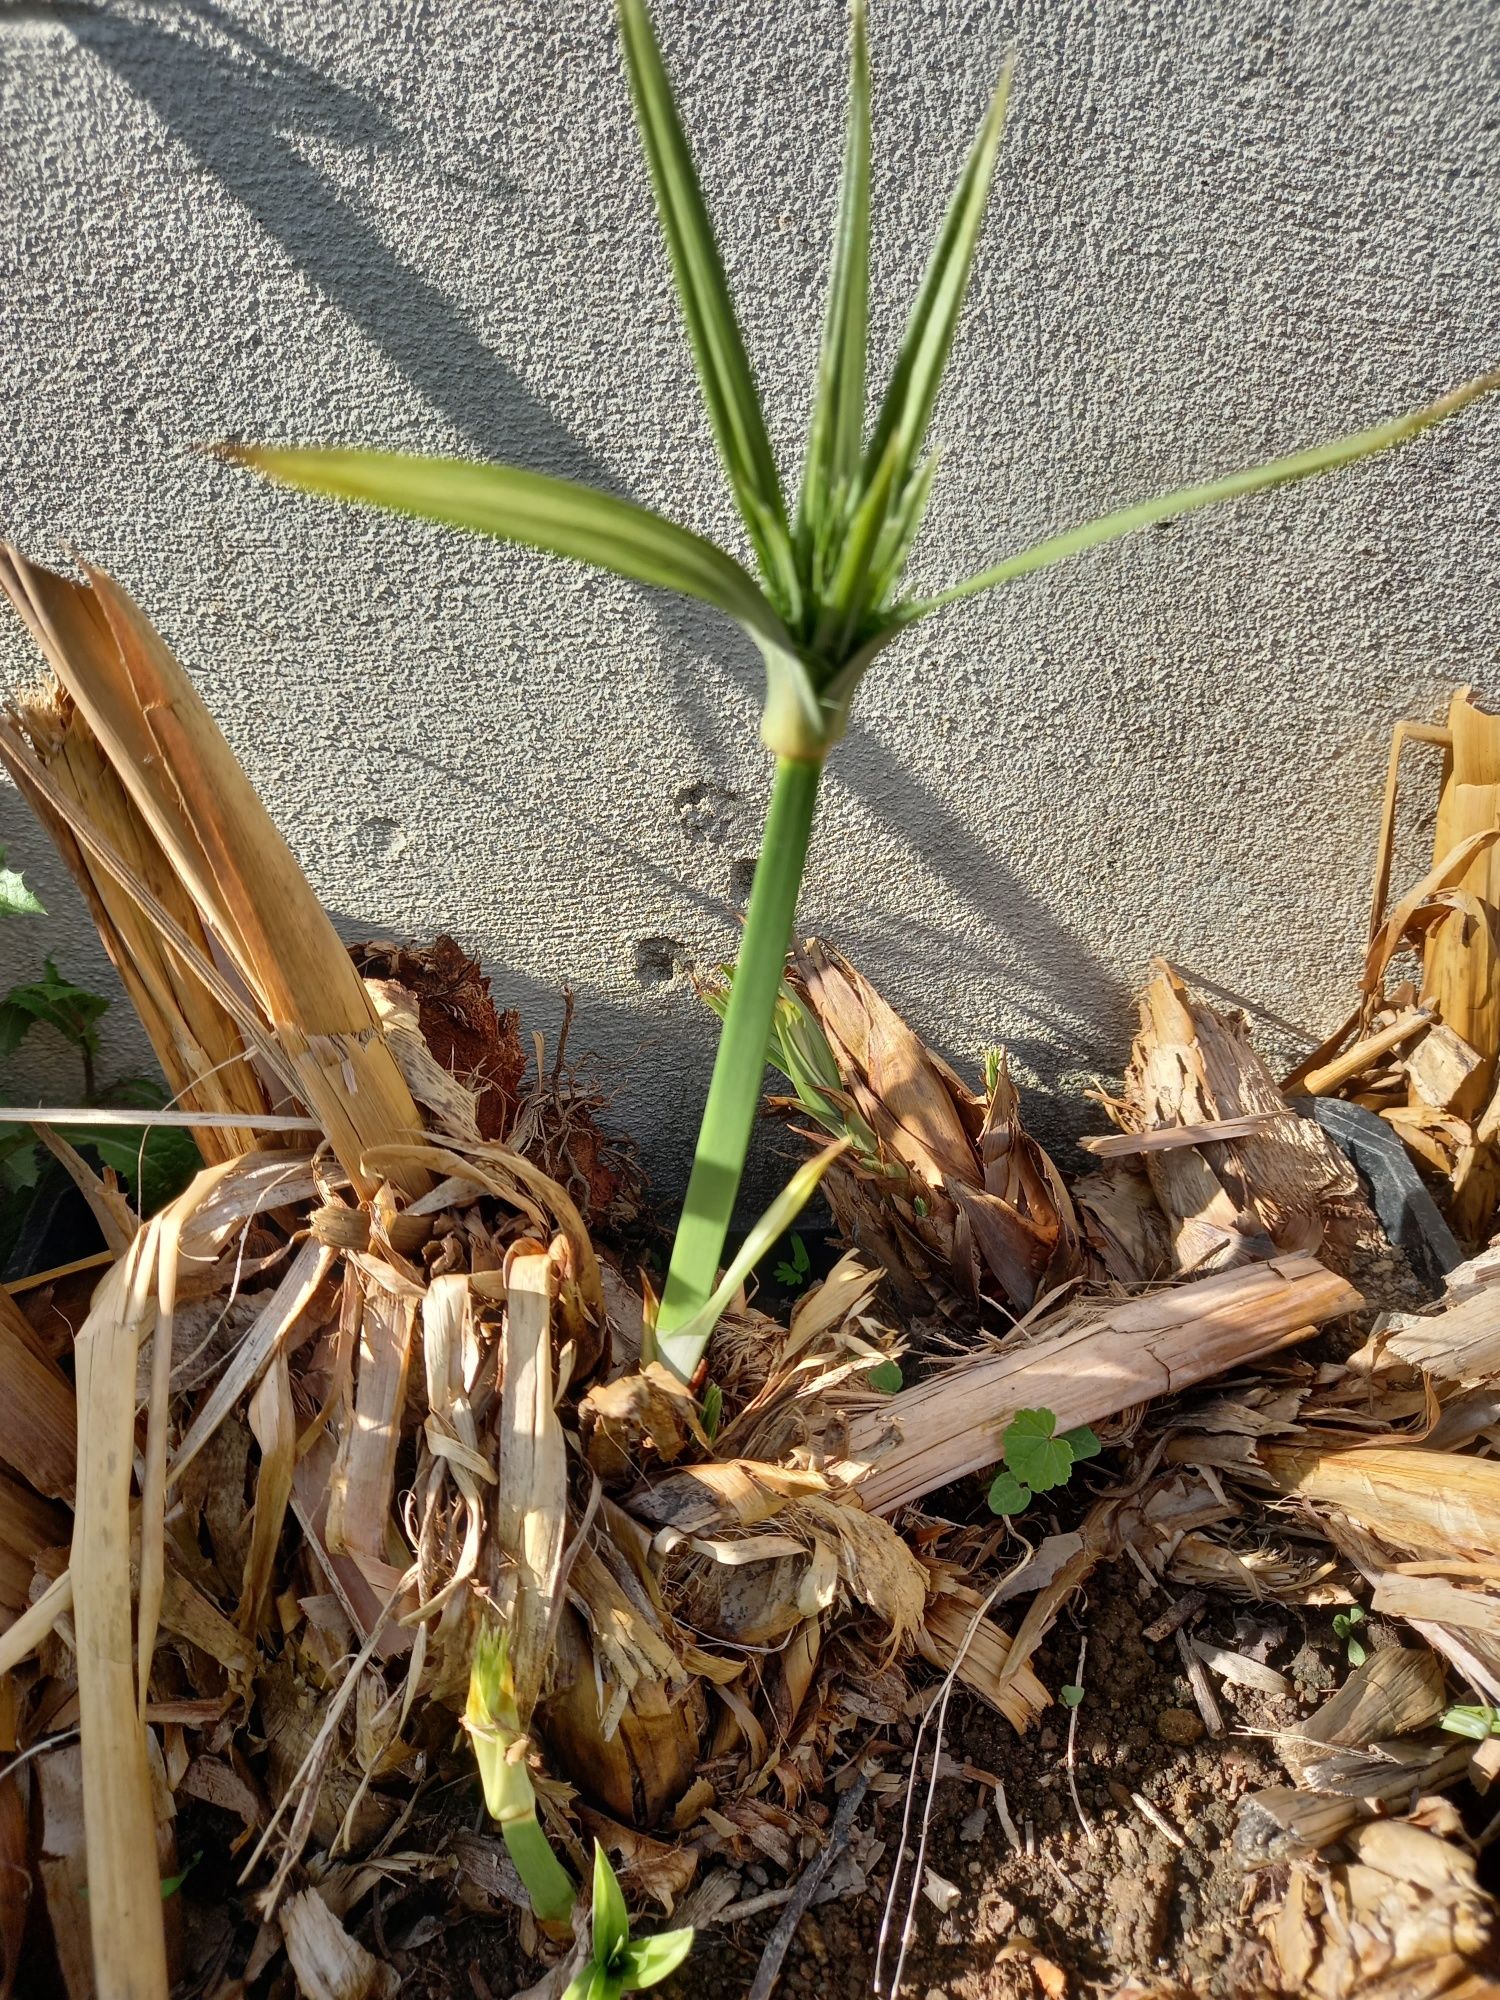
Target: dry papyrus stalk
1085, 1364
194, 819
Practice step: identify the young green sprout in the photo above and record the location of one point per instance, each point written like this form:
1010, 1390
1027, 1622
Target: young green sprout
830, 589
616, 1965
1344, 1627
500, 1748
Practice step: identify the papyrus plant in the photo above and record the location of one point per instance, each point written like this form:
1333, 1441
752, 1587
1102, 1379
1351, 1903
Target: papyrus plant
828, 594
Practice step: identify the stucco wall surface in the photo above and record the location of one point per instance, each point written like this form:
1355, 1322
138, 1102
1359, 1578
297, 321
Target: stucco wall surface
1218, 232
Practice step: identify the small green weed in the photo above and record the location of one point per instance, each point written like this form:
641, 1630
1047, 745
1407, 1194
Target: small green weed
795, 1271
1344, 1624
1037, 1459
153, 1162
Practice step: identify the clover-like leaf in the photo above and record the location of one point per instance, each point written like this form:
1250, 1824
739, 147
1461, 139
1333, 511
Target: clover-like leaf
1037, 1457
1071, 1695
1008, 1495
886, 1377
1081, 1442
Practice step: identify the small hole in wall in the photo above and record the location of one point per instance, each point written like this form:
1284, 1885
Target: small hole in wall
705, 811
741, 876
658, 959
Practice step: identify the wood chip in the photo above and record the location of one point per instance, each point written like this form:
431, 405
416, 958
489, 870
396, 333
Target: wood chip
1119, 1145
1440, 1066
1243, 1672
1085, 1366
1181, 1611
1203, 1694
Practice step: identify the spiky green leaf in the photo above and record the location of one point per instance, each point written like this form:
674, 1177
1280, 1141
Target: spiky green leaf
838, 417
849, 595
907, 407
535, 510
54, 1002
1188, 499
16, 900
724, 370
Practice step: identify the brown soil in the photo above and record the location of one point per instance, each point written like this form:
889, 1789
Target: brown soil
1097, 1913
1066, 1913
1126, 1902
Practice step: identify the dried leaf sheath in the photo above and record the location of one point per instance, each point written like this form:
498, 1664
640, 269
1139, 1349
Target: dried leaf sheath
532, 1501
199, 1046
201, 809
1461, 960
124, 1904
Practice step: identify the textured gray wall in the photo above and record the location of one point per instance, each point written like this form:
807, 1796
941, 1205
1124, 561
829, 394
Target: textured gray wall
1219, 231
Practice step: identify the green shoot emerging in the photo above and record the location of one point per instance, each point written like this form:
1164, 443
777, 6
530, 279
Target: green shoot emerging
616, 1965
830, 591
1475, 1720
794, 1271
1037, 1460
681, 1346
500, 1748
1344, 1624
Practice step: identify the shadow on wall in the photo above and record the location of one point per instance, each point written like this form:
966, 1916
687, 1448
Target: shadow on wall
240, 106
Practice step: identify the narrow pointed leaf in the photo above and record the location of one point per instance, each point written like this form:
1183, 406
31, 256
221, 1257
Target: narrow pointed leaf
611, 1919
833, 446
849, 593
1187, 499
907, 408
703, 290
901, 529
536, 510
682, 1349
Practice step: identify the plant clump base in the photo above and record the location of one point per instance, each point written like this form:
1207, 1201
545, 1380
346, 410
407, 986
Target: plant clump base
1027, 1539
